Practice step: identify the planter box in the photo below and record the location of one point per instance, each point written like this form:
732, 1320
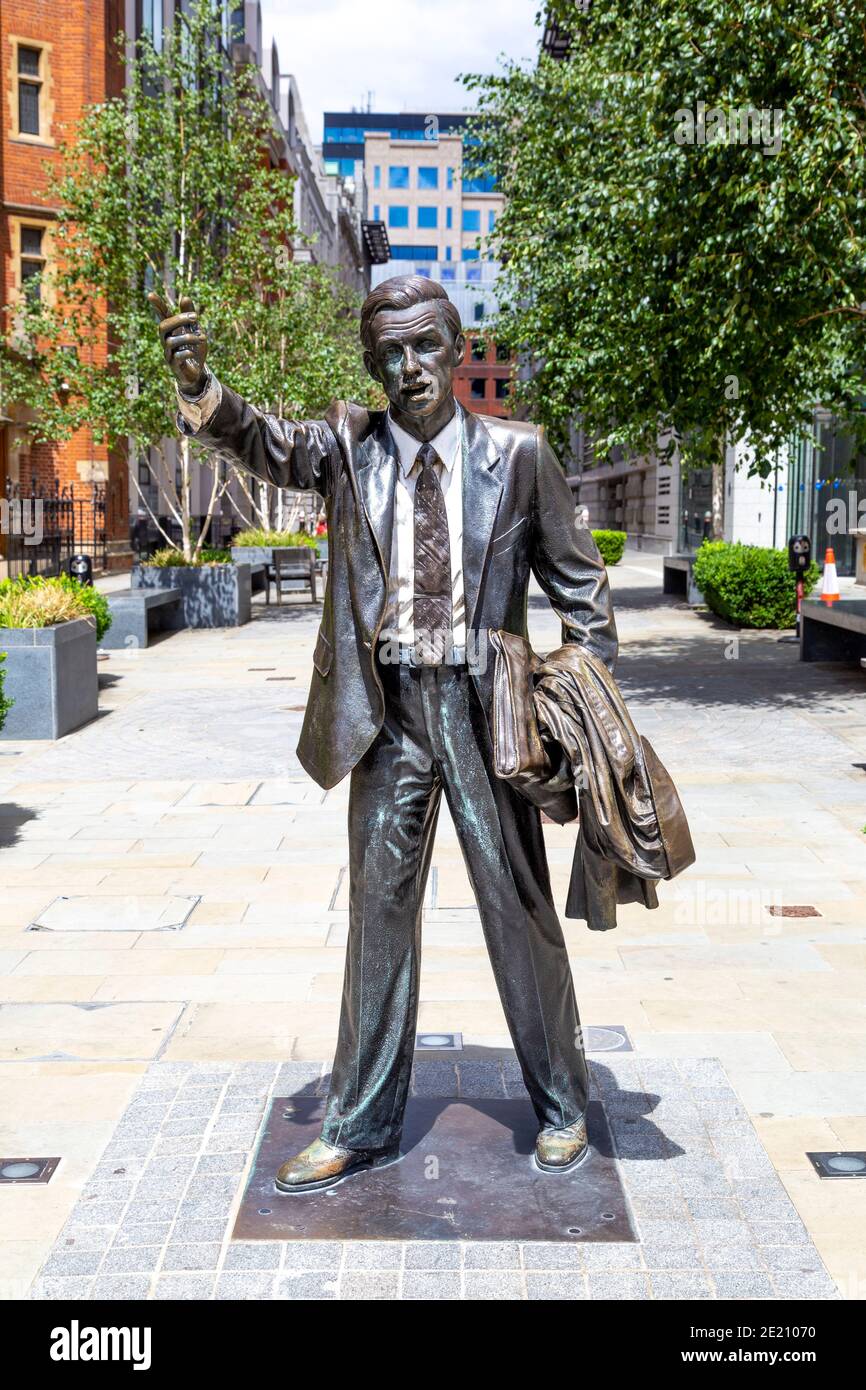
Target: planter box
50, 673
211, 595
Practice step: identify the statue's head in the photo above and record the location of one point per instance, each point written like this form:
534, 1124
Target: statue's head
412, 342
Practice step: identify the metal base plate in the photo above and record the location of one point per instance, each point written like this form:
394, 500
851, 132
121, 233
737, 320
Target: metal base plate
467, 1173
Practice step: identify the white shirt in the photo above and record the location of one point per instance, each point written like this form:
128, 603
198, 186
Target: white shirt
448, 444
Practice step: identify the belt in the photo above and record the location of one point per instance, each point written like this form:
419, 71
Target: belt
392, 653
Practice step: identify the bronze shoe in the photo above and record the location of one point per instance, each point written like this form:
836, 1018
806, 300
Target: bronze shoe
322, 1164
560, 1150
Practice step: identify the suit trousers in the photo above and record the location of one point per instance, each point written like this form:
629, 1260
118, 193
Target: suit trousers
435, 737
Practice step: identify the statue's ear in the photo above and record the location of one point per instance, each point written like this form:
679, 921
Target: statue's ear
459, 350
372, 369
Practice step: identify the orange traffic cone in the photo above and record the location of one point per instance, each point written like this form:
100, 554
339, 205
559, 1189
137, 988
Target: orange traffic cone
830, 587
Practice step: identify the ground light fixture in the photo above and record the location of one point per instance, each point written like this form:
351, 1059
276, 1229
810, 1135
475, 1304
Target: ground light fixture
839, 1165
32, 1170
439, 1042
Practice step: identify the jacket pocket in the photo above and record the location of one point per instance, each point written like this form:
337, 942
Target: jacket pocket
323, 654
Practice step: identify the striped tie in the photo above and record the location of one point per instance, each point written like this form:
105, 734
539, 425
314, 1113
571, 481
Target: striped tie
432, 597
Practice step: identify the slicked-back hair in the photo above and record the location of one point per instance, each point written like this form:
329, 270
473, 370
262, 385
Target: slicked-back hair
402, 292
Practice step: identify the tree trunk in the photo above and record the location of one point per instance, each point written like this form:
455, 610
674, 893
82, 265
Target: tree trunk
718, 495
185, 493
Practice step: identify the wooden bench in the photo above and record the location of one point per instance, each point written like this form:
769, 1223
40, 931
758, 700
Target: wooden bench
295, 567
136, 613
833, 632
678, 578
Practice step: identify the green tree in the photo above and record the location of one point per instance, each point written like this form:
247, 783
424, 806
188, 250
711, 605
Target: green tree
170, 183
686, 274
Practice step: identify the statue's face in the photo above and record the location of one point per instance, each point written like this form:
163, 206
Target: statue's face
414, 355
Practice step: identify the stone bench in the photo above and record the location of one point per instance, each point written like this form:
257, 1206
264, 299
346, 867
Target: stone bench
833, 632
678, 578
136, 613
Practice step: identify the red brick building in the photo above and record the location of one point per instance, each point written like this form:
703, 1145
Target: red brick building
56, 58
482, 383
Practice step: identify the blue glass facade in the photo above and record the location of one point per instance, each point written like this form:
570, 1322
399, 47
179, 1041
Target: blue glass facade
413, 253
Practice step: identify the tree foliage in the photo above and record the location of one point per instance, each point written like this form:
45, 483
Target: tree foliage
170, 183
686, 292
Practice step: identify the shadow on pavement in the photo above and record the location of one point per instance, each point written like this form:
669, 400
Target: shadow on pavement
12, 817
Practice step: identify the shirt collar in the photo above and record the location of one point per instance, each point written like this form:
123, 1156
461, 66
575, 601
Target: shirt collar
446, 442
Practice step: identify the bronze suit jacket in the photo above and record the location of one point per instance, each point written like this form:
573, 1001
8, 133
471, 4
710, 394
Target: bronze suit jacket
518, 518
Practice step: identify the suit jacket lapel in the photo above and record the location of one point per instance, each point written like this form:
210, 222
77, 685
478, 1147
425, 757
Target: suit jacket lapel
377, 478
482, 489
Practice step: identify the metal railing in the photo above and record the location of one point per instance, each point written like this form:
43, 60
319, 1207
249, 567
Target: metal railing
44, 527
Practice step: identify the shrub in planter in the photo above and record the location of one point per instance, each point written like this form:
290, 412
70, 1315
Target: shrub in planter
749, 585
37, 601
50, 663
5, 705
169, 558
611, 544
273, 540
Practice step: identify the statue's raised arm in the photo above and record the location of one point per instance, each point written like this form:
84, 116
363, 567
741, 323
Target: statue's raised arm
287, 453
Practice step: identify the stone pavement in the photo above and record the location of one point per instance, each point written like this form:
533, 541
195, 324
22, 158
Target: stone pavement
126, 1045
155, 1219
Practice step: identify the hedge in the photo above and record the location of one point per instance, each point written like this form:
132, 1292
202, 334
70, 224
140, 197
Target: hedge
749, 585
611, 545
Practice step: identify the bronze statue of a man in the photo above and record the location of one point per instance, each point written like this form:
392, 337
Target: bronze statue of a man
436, 518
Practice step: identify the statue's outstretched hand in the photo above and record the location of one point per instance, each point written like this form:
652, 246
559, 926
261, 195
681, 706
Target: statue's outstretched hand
184, 342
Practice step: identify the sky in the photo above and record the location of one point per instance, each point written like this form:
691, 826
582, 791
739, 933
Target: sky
407, 53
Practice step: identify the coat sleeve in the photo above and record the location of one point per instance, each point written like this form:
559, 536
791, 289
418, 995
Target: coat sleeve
300, 454
566, 562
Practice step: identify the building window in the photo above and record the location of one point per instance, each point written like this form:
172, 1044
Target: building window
152, 22
448, 256
502, 353
448, 272
473, 272
502, 386
346, 167
428, 176
449, 218
450, 179
398, 215
491, 221
413, 253
32, 261
479, 313
471, 220
476, 388
398, 176
470, 253
478, 350
428, 217
377, 176
30, 71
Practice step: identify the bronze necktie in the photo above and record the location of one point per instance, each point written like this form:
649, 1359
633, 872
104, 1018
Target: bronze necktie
432, 595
